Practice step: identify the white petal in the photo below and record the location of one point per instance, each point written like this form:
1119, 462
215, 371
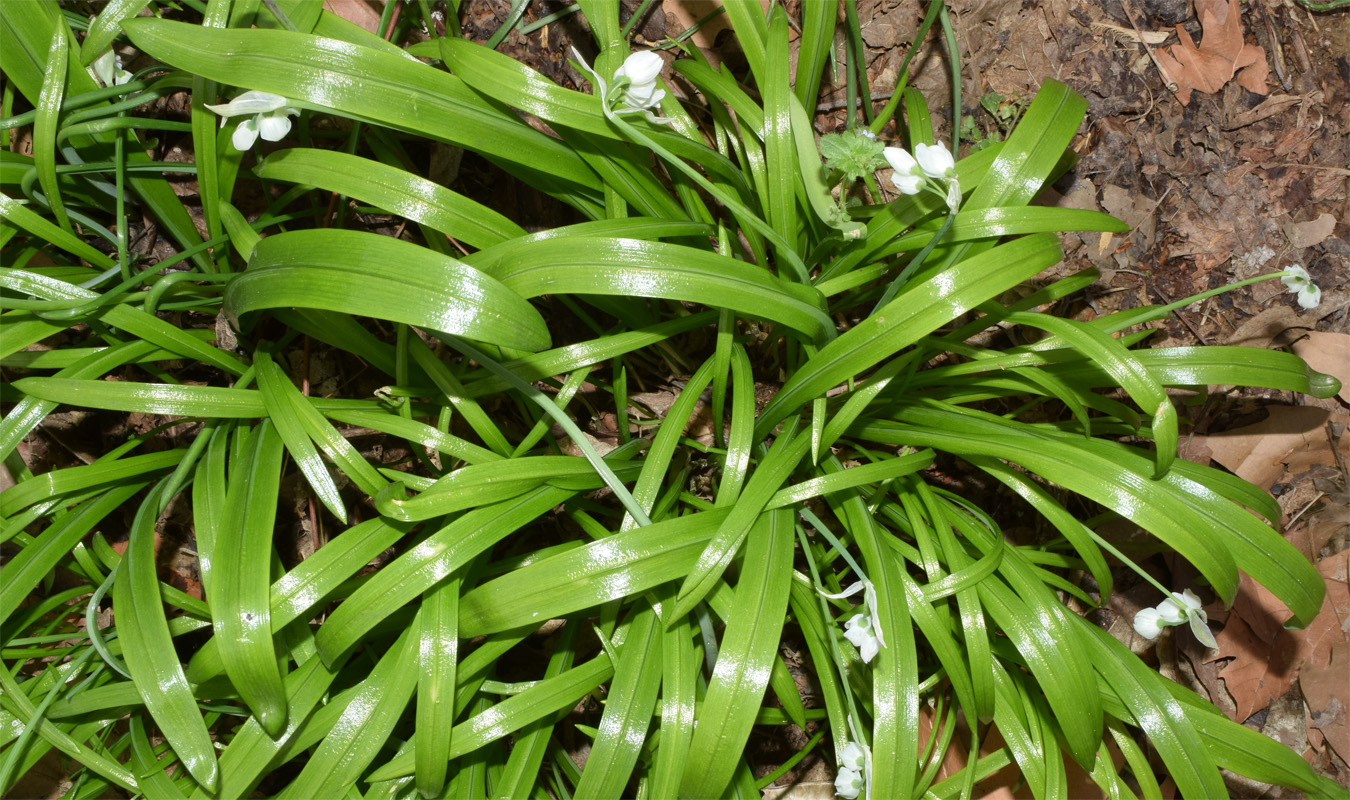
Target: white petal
1296, 278
934, 160
905, 183
105, 67
852, 757
1309, 296
641, 67
1189, 598
246, 134
274, 126
870, 597
953, 194
900, 160
1146, 623
250, 103
1202, 632
1171, 612
852, 589
848, 784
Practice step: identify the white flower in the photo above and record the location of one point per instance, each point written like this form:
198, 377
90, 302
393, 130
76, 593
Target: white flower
641, 69
907, 177
1180, 607
935, 160
861, 629
108, 69
1185, 607
269, 117
1297, 280
852, 777
1148, 624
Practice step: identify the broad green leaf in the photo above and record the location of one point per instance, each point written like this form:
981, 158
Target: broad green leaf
239, 583
628, 267
748, 647
378, 276
365, 84
150, 655
915, 312
394, 190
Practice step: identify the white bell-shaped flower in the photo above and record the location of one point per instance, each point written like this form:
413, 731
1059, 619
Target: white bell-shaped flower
935, 160
1297, 280
268, 117
1148, 623
642, 70
907, 176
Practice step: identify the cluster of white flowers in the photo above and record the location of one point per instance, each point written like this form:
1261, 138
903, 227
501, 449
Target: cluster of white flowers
931, 165
861, 629
268, 116
853, 769
1297, 280
1180, 607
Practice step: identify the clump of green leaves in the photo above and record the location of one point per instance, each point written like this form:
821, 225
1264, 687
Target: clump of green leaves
491, 462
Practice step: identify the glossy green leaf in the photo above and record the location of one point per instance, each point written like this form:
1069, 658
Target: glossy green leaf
150, 655
363, 273
394, 190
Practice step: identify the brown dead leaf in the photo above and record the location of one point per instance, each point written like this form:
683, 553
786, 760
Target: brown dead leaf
1327, 697
1277, 324
1312, 232
356, 12
1289, 440
1329, 353
1220, 56
1267, 658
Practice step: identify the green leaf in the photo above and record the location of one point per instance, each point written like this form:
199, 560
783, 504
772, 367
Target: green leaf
365, 84
150, 655
395, 190
628, 267
239, 584
364, 273
748, 648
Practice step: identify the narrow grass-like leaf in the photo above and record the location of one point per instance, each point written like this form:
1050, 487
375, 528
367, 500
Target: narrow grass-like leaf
281, 413
516, 711
363, 83
41, 556
425, 565
355, 273
627, 267
364, 726
149, 652
782, 459
916, 311
748, 648
628, 710
310, 583
437, 658
617, 566
240, 586
72, 479
1162, 717
48, 115
394, 190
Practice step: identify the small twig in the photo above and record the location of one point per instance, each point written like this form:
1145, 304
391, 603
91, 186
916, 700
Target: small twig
1177, 313
1304, 510
1166, 76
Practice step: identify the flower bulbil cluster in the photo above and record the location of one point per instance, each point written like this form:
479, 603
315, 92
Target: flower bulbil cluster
1180, 607
932, 167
